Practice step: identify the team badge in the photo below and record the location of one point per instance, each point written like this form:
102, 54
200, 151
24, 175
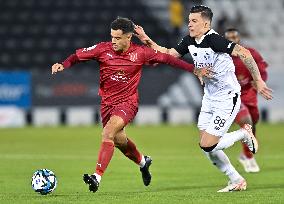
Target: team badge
133, 56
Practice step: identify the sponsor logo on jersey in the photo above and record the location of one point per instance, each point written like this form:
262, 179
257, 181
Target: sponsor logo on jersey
202, 64
120, 76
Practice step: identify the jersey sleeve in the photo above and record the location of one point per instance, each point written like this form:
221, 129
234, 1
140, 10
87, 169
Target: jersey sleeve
182, 46
262, 65
153, 57
220, 44
150, 56
89, 53
70, 61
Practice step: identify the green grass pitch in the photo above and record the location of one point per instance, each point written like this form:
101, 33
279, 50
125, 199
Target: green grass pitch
181, 173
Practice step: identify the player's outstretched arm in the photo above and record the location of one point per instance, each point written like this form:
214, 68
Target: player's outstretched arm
248, 60
153, 57
145, 39
59, 67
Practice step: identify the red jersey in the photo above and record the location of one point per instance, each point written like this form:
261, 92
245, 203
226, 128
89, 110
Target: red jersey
120, 73
249, 94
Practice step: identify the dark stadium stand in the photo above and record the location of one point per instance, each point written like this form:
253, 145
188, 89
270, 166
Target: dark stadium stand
34, 34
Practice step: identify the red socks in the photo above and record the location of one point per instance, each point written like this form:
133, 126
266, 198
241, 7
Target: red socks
105, 155
246, 151
131, 152
106, 152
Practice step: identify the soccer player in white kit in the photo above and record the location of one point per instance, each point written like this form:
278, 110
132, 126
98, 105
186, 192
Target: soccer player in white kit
221, 100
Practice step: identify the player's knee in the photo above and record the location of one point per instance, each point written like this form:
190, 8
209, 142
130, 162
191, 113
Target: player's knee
120, 142
107, 134
207, 148
206, 143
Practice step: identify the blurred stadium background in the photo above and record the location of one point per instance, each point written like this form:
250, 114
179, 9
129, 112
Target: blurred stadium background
34, 34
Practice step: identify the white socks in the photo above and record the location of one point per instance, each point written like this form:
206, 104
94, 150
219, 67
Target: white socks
229, 139
98, 177
222, 162
142, 162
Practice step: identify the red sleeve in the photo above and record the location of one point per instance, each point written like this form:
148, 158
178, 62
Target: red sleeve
70, 61
262, 65
82, 54
154, 56
89, 53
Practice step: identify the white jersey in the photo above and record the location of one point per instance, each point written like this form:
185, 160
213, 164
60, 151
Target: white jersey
213, 50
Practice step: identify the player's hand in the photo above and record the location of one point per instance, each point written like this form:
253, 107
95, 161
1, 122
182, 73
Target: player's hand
56, 68
140, 34
263, 90
203, 72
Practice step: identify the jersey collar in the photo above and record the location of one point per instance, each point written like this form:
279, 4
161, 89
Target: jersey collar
130, 49
203, 36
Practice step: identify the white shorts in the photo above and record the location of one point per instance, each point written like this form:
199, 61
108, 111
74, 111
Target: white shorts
216, 117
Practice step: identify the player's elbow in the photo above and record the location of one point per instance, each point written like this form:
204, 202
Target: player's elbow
241, 52
244, 53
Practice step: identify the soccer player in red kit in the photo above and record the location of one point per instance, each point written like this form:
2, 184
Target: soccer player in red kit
120, 71
248, 113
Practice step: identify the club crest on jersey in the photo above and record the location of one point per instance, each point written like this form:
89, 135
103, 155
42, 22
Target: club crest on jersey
120, 73
133, 57
206, 56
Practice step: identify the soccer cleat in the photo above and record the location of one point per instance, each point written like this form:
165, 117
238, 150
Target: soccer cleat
92, 181
244, 161
250, 139
254, 168
250, 165
237, 186
146, 175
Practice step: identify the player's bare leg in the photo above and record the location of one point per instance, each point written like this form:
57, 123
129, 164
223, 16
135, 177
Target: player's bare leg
209, 142
129, 149
213, 146
246, 157
113, 126
214, 139
222, 162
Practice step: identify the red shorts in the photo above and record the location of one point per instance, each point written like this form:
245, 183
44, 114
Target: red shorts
125, 110
247, 110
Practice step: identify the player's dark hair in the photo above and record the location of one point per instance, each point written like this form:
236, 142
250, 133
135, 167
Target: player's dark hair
124, 24
232, 30
205, 11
